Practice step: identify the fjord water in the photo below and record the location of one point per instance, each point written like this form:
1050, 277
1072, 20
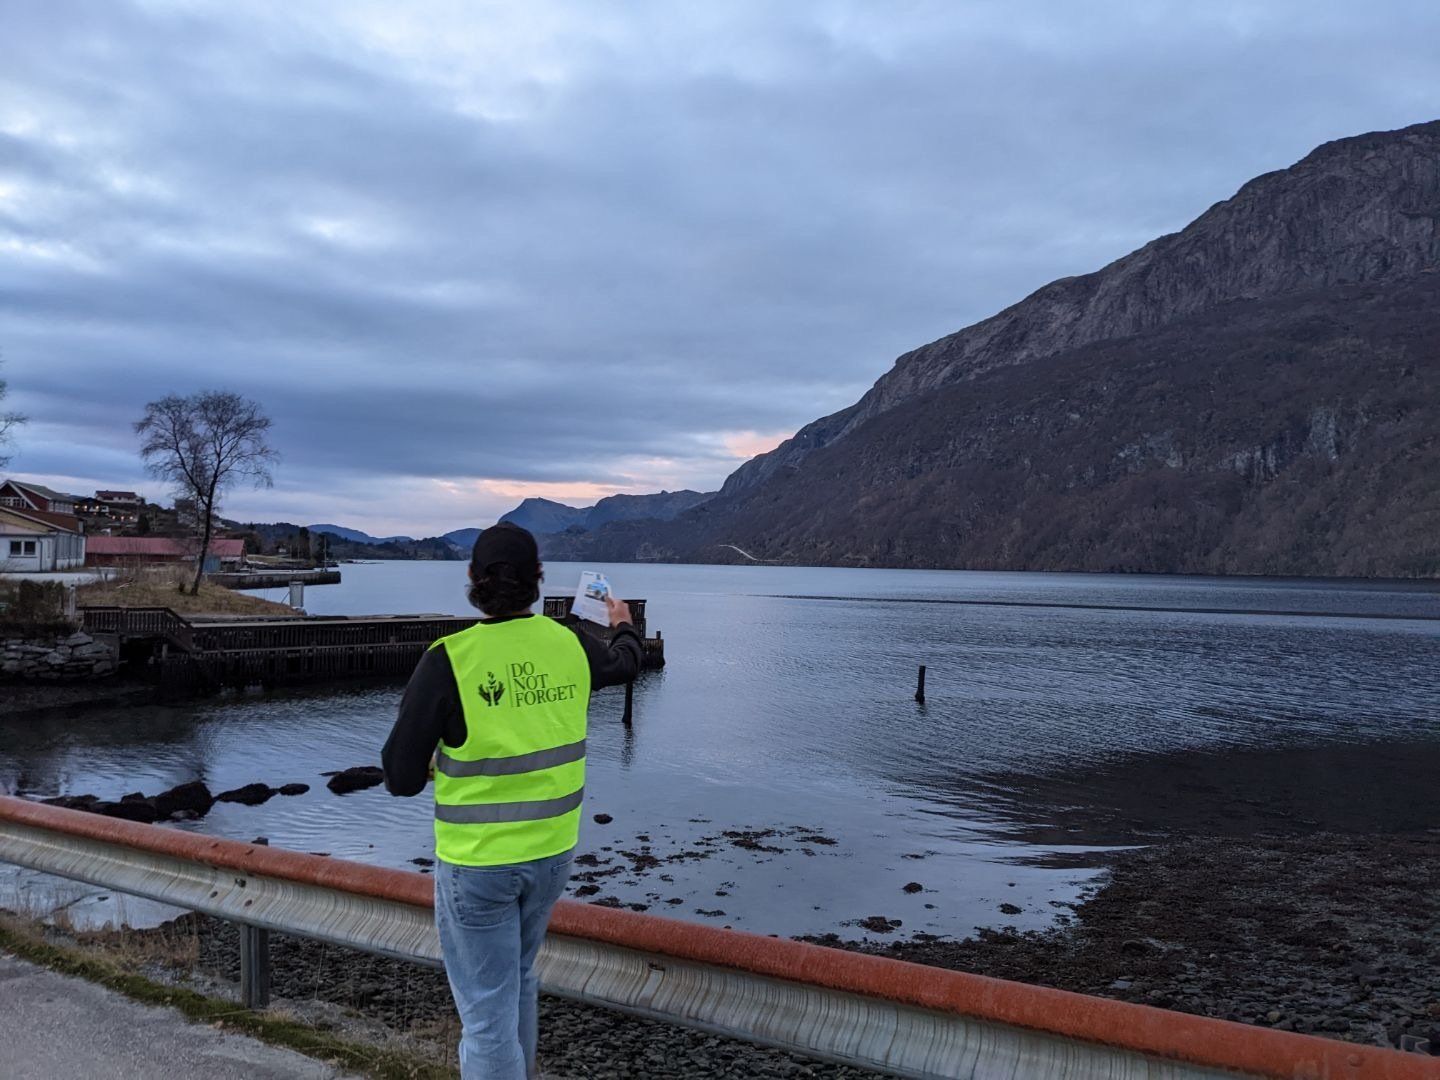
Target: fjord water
1065, 714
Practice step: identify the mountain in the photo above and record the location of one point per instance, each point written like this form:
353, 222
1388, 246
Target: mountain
662, 507
1254, 394
1355, 210
359, 537
464, 539
545, 516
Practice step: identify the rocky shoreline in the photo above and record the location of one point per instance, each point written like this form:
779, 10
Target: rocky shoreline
1330, 934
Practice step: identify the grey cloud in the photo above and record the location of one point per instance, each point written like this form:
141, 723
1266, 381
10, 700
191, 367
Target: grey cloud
685, 220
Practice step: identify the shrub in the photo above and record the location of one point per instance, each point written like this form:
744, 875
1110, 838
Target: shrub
32, 606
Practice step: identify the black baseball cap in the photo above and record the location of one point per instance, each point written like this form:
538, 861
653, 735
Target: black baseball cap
506, 543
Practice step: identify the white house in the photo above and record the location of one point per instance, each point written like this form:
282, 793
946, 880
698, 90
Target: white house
33, 539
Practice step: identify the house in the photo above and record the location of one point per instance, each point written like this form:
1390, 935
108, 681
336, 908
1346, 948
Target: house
130, 550
112, 507
22, 495
120, 500
37, 540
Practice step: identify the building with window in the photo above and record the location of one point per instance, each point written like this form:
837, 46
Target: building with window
22, 495
36, 540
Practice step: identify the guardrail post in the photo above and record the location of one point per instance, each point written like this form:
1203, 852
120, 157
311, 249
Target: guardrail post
254, 967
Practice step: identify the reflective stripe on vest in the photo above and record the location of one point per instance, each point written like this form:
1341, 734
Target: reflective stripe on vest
512, 791
509, 766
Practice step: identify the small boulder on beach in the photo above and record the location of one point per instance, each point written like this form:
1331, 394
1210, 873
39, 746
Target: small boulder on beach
914, 887
878, 924
192, 797
357, 779
603, 819
293, 789
249, 795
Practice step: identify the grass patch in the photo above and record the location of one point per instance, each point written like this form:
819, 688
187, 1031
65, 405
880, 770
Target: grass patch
160, 586
27, 942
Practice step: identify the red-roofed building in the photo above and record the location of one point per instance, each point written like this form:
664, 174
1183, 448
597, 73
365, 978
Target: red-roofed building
128, 550
22, 495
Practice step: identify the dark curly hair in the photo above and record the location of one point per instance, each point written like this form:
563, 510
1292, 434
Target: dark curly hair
503, 589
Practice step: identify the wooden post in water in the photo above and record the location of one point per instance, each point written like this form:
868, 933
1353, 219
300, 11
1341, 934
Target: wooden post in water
920, 686
629, 703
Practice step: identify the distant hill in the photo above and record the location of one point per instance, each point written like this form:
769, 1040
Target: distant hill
303, 540
1256, 394
545, 516
549, 520
661, 507
360, 537
464, 539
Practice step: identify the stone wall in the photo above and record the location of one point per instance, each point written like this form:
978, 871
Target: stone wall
55, 658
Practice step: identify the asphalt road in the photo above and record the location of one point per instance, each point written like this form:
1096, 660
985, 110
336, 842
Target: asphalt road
54, 1026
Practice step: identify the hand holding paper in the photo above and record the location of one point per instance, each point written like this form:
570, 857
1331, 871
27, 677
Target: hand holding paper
592, 598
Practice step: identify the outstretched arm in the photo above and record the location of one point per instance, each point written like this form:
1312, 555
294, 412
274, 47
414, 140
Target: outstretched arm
618, 660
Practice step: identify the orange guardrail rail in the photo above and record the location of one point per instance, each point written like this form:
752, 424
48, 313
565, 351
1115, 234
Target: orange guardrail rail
1208, 1046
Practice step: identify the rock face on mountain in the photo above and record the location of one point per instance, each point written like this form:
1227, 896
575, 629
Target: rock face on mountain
1361, 209
1258, 393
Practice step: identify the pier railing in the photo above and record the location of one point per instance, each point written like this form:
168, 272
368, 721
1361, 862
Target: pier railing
868, 1011
152, 622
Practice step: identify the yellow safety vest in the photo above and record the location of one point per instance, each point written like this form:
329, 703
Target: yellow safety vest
512, 791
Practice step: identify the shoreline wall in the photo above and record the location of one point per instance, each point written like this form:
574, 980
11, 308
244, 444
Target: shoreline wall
52, 657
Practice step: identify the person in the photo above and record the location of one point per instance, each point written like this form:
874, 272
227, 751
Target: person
500, 708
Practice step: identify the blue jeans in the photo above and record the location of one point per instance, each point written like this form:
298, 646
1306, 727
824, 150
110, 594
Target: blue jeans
491, 921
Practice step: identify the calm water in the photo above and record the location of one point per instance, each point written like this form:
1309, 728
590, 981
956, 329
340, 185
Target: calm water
1061, 719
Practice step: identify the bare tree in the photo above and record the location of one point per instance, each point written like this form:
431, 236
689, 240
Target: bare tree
8, 423
202, 445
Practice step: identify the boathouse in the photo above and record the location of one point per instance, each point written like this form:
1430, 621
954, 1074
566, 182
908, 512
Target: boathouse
136, 550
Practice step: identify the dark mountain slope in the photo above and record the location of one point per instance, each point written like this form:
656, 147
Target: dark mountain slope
663, 506
1362, 209
1294, 435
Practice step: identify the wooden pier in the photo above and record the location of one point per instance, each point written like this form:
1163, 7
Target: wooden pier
192, 655
273, 579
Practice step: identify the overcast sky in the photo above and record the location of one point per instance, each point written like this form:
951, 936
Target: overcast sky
468, 252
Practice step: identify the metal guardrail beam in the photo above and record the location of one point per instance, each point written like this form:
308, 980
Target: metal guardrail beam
869, 1011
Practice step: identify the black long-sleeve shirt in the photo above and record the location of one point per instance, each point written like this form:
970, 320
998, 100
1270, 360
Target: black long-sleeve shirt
430, 710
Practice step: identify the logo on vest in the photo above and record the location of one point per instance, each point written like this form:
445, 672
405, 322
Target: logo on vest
492, 690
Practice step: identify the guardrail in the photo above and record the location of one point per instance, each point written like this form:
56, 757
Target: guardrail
869, 1011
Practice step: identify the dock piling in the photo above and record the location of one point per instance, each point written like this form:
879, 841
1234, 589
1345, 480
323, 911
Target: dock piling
628, 718
920, 686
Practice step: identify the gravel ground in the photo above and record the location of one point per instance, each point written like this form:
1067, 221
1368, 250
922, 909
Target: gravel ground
1329, 934
576, 1041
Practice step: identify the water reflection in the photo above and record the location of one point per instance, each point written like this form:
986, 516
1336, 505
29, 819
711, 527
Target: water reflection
1046, 734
